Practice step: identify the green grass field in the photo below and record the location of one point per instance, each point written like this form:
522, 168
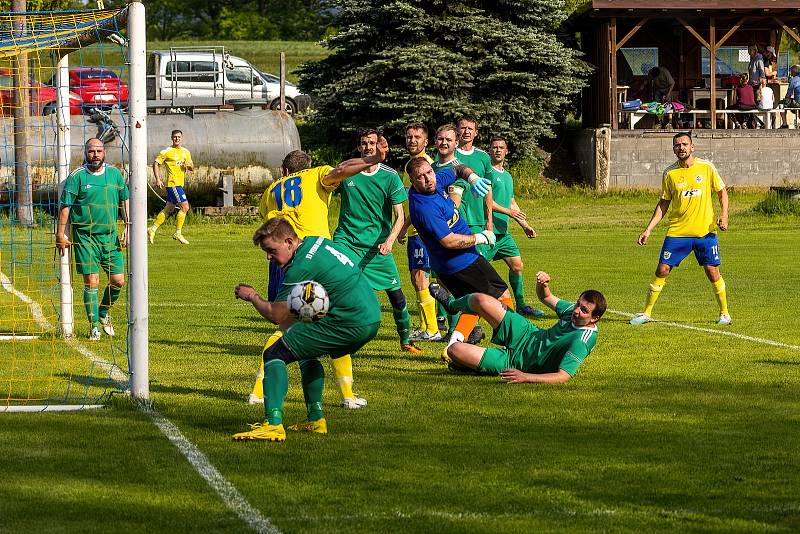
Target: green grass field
664, 428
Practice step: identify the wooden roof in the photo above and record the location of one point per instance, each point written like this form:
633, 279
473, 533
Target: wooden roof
694, 5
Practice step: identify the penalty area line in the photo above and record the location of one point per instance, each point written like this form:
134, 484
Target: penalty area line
232, 498
715, 331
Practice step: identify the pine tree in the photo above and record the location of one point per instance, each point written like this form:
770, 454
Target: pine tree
397, 61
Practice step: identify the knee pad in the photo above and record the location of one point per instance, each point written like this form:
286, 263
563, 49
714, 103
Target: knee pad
396, 298
278, 351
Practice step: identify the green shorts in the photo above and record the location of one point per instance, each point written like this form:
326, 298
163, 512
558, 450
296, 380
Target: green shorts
312, 340
505, 247
483, 250
517, 336
379, 270
97, 251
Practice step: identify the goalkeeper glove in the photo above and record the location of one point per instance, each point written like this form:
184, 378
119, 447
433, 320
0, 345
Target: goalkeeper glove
479, 186
486, 237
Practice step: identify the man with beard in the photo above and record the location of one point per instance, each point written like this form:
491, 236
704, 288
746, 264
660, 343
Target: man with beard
687, 188
90, 202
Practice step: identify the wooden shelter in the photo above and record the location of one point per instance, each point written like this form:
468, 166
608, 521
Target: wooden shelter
679, 30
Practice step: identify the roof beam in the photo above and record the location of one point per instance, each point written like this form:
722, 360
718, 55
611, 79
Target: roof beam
631, 33
731, 31
787, 29
693, 32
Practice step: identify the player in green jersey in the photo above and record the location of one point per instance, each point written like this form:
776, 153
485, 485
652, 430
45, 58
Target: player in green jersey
504, 207
475, 211
90, 202
529, 353
352, 320
370, 201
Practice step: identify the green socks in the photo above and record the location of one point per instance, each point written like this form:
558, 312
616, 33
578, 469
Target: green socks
312, 375
402, 321
90, 303
276, 385
517, 288
110, 296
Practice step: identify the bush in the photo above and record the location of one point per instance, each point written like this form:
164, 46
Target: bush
777, 205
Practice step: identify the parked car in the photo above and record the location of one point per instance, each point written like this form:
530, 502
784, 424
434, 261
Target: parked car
42, 97
210, 76
98, 87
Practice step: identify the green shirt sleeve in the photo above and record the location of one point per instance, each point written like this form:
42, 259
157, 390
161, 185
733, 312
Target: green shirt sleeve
574, 357
397, 192
564, 309
70, 192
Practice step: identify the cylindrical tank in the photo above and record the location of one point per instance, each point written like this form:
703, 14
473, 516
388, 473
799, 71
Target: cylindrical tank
250, 144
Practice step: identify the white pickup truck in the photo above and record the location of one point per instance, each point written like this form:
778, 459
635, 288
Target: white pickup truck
205, 77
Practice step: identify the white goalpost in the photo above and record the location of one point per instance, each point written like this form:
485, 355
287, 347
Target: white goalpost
45, 361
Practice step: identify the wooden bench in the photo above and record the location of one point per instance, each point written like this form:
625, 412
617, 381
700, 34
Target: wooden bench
634, 116
764, 114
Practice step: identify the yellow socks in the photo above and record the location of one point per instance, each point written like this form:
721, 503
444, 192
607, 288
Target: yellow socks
722, 297
343, 369
258, 386
427, 308
160, 218
655, 290
179, 219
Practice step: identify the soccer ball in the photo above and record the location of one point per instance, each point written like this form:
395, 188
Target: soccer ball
308, 301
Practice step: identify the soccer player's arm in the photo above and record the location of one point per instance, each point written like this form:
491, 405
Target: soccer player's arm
276, 312
156, 170
658, 213
126, 210
722, 193
543, 291
522, 219
68, 197
572, 359
188, 165
398, 197
353, 166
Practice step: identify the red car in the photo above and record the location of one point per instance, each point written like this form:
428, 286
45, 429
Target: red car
98, 87
43, 97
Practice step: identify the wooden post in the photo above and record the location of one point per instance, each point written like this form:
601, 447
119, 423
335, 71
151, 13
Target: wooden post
712, 56
612, 51
23, 196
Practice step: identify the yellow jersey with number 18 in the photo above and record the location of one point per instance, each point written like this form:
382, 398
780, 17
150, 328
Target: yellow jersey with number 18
302, 200
689, 190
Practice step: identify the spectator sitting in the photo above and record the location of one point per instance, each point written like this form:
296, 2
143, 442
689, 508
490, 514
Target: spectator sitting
792, 99
745, 101
765, 97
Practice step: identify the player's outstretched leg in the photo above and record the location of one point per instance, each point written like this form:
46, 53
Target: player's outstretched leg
257, 395
402, 320
656, 286
276, 385
313, 378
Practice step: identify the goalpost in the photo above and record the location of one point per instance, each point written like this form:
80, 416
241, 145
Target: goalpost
46, 360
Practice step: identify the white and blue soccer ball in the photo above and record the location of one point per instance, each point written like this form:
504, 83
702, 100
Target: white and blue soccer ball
308, 301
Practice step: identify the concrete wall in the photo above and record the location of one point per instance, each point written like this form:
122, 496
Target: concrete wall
743, 157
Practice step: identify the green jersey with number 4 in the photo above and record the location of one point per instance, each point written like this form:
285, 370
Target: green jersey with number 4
352, 300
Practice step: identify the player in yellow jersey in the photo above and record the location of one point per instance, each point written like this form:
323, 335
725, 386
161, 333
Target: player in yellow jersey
302, 196
687, 188
177, 160
418, 262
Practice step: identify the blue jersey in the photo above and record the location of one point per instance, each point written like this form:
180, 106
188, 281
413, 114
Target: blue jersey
435, 216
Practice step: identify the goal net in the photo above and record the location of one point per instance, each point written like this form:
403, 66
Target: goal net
64, 79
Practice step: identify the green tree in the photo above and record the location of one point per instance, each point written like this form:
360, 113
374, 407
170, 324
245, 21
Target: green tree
395, 61
38, 5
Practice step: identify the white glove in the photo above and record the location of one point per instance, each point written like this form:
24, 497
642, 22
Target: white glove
479, 186
486, 237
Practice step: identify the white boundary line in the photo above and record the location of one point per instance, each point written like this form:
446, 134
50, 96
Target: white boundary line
229, 494
717, 332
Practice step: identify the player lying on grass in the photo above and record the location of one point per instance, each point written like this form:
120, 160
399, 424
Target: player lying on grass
352, 320
529, 353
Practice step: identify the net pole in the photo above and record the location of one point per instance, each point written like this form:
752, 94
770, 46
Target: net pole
22, 183
63, 141
137, 109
